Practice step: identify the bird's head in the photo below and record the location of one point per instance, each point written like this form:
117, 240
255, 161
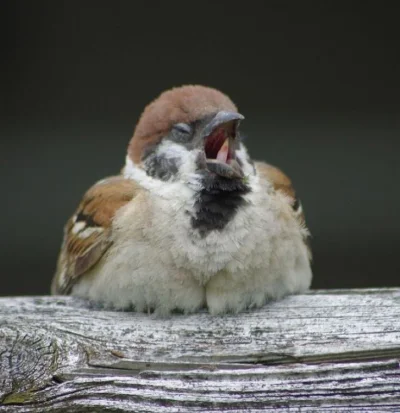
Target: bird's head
189, 130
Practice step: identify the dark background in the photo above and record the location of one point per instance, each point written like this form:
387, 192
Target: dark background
318, 84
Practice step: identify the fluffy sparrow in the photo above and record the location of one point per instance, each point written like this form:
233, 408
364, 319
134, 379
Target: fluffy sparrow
190, 222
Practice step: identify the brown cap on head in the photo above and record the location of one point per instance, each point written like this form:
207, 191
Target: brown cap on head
182, 104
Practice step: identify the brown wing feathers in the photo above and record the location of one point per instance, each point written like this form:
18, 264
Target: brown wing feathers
282, 183
87, 233
279, 180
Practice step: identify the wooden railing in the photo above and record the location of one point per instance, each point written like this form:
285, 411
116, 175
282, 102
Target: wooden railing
330, 350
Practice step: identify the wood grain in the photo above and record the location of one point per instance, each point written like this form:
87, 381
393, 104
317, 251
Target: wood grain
332, 350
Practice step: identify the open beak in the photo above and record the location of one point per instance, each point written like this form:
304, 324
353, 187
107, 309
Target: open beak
219, 137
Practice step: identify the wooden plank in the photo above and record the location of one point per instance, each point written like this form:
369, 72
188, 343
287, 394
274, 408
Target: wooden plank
334, 350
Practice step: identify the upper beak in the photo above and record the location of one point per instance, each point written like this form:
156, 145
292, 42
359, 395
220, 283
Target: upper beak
222, 118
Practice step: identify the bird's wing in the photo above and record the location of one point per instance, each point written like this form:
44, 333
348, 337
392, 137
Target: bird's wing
87, 233
282, 183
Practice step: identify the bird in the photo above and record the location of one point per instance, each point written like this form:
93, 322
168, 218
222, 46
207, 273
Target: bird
191, 223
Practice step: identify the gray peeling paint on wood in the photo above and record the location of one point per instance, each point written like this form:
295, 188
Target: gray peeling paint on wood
336, 350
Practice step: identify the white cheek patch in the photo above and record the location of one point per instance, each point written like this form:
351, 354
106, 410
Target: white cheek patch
185, 161
171, 150
167, 190
188, 169
132, 171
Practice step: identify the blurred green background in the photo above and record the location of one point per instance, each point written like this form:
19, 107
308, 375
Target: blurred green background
318, 84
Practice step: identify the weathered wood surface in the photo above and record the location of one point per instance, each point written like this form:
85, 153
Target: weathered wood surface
322, 351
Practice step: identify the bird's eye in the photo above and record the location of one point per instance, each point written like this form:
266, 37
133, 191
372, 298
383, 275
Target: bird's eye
183, 128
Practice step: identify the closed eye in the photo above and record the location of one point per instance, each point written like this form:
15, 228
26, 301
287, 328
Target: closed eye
183, 128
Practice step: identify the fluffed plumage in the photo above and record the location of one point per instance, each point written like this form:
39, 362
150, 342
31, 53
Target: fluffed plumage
191, 222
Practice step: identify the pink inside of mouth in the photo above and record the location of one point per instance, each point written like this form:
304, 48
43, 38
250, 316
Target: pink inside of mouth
217, 146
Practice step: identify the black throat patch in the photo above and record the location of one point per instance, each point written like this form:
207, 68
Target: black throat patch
218, 202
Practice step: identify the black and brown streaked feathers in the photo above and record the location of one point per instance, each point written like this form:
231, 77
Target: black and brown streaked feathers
87, 233
279, 181
282, 183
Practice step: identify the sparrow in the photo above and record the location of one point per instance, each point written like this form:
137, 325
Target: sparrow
191, 222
